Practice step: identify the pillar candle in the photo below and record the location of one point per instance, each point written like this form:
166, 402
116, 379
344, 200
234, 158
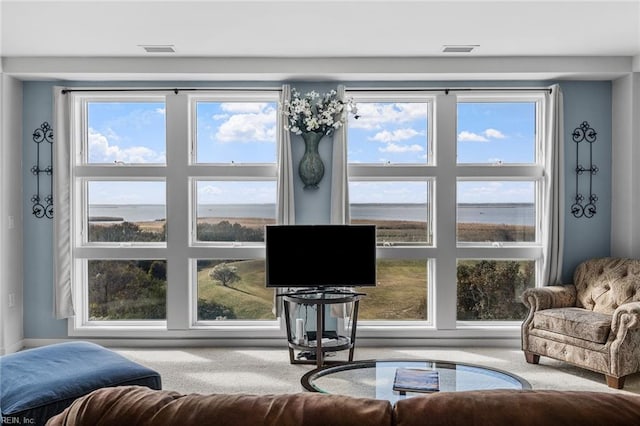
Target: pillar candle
300, 330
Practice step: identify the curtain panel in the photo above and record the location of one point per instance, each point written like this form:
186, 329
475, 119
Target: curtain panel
340, 190
554, 188
285, 206
285, 210
63, 306
339, 175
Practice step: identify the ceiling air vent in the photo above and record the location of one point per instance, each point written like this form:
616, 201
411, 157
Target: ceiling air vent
159, 48
466, 48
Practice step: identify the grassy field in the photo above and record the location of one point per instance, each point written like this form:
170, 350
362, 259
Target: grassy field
248, 298
400, 293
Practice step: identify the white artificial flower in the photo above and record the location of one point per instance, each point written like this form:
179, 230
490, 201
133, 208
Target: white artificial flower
315, 112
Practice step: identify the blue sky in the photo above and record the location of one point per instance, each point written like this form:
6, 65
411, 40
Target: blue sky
134, 133
126, 132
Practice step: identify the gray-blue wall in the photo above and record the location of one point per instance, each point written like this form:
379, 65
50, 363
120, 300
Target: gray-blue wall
584, 238
39, 321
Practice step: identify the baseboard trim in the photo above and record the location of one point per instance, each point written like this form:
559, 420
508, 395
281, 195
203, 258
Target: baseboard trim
506, 342
17, 346
159, 343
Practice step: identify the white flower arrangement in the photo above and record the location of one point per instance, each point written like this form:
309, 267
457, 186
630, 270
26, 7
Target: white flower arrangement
316, 113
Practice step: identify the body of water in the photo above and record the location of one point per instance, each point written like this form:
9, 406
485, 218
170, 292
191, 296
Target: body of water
503, 213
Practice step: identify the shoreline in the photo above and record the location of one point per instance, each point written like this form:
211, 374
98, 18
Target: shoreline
256, 222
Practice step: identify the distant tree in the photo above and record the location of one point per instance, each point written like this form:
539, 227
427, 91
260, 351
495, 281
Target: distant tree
203, 264
225, 274
226, 231
488, 290
124, 232
125, 289
211, 311
495, 232
158, 270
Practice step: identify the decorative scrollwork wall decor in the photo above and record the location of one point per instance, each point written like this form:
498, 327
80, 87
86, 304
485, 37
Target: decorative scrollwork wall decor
583, 133
43, 207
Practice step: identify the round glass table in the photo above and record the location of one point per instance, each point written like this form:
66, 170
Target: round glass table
375, 378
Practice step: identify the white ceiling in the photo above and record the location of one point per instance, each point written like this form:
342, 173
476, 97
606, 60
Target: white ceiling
319, 28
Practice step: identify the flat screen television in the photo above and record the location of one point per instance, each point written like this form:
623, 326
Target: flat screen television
320, 256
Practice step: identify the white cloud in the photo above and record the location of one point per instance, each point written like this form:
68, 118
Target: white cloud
236, 192
466, 136
389, 137
375, 115
395, 135
396, 148
493, 133
99, 147
259, 125
139, 154
103, 150
209, 190
496, 192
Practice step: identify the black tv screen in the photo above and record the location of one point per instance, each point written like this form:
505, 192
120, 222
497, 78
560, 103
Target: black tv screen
320, 255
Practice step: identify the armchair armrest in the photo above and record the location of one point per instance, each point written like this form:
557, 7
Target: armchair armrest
625, 317
624, 340
558, 296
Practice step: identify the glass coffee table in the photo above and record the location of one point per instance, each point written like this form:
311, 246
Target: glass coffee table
374, 378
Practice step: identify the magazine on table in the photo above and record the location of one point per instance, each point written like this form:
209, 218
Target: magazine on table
416, 380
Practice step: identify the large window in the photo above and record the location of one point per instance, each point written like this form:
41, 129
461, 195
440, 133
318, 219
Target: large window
390, 155
453, 183
171, 196
499, 201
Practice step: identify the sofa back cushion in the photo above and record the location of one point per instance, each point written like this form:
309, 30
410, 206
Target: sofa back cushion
603, 284
135, 405
522, 408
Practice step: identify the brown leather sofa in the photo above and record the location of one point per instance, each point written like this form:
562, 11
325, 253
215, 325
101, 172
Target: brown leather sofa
136, 405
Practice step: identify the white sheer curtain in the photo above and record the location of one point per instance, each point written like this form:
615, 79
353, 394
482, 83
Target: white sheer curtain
285, 209
340, 190
63, 261
339, 177
554, 188
285, 206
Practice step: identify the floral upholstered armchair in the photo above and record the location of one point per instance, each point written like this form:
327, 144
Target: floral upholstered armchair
593, 323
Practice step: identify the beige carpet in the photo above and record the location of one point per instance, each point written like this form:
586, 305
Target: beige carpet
267, 370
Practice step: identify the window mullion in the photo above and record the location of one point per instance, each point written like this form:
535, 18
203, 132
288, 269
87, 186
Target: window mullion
444, 291
500, 172
113, 172
178, 202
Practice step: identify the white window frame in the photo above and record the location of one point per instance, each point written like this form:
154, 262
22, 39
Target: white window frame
403, 172
533, 172
443, 256
180, 250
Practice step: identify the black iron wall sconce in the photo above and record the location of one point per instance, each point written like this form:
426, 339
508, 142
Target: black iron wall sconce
43, 207
583, 133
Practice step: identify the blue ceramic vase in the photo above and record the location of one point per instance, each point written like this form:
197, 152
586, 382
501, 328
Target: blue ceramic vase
311, 168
